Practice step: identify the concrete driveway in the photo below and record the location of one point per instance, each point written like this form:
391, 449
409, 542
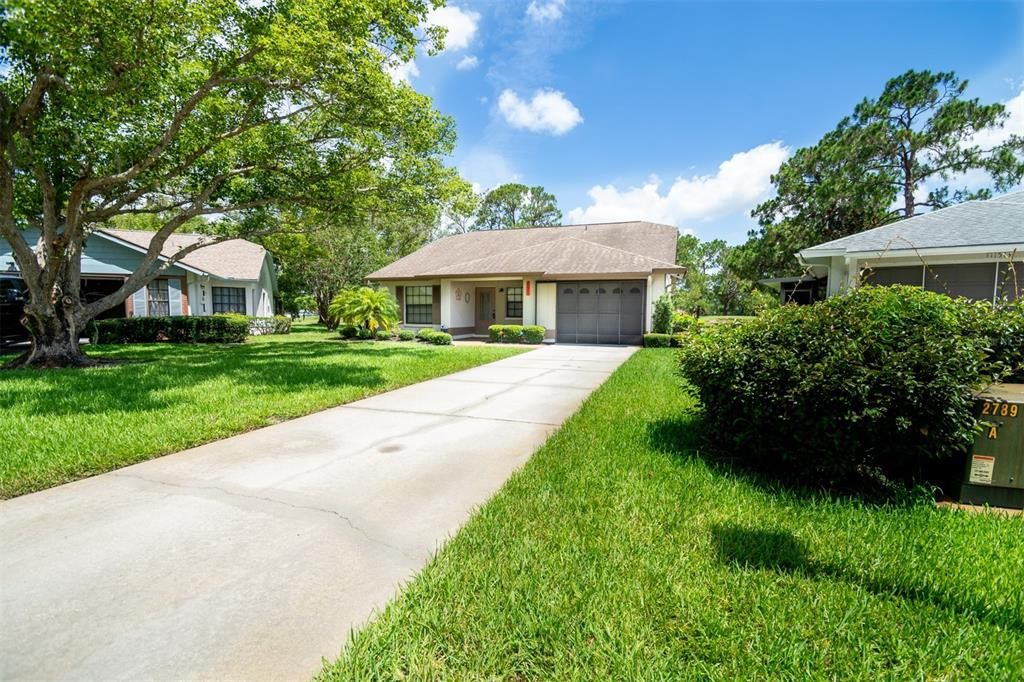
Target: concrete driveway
253, 557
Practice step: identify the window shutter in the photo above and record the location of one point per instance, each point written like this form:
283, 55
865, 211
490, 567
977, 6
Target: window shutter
174, 291
139, 303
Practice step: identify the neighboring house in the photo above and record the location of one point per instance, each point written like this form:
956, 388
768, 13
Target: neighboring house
583, 283
232, 276
974, 249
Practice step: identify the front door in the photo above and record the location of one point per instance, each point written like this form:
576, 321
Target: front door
485, 316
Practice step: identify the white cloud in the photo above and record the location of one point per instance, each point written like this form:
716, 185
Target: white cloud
467, 63
403, 72
461, 24
543, 12
1014, 125
486, 169
547, 112
739, 184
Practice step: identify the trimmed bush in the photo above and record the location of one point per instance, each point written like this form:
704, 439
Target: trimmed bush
382, 335
440, 339
348, 331
870, 391
363, 334
515, 333
662, 321
533, 333
406, 335
657, 340
174, 329
425, 333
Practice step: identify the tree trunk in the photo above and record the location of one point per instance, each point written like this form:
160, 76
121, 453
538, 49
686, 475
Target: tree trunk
55, 332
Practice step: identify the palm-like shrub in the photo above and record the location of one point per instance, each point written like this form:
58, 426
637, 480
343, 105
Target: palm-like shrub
365, 308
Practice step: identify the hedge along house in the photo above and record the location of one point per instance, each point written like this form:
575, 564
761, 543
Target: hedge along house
974, 249
231, 276
582, 283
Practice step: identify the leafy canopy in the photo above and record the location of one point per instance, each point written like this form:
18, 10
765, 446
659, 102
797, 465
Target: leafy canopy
516, 205
190, 108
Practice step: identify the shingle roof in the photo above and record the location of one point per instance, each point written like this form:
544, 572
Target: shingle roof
993, 222
606, 248
234, 259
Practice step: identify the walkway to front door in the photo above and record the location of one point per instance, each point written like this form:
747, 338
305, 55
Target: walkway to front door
251, 558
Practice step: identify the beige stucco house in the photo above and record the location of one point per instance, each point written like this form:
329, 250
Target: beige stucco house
582, 283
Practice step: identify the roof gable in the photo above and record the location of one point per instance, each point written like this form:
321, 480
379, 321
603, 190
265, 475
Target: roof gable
633, 247
231, 259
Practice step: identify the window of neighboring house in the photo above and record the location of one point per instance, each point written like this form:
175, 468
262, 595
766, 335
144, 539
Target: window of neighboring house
513, 302
159, 298
229, 300
419, 305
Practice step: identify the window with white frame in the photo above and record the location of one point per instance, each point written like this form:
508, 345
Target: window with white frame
158, 298
419, 305
229, 300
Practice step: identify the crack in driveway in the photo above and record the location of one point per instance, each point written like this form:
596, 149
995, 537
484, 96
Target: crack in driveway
272, 500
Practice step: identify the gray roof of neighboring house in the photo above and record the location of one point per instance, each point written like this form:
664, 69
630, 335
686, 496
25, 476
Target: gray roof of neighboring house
993, 222
605, 248
234, 259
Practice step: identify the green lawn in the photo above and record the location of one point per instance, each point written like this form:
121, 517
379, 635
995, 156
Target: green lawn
619, 553
59, 425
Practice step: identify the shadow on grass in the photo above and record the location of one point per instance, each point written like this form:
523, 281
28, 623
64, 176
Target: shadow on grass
782, 552
146, 375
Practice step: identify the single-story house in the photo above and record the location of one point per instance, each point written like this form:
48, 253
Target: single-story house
231, 276
582, 283
974, 249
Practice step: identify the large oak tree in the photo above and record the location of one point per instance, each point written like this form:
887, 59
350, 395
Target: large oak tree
225, 110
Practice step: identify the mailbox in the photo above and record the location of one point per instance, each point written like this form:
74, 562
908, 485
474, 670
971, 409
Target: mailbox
994, 473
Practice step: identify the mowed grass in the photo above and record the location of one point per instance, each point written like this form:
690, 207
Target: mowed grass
60, 425
619, 553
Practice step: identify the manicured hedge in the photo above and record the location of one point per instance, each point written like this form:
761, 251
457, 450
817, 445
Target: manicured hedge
440, 339
515, 333
657, 340
867, 391
382, 335
174, 329
425, 333
406, 335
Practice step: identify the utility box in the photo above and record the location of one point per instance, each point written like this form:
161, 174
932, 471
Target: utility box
995, 466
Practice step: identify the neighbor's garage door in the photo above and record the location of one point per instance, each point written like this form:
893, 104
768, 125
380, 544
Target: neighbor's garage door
600, 312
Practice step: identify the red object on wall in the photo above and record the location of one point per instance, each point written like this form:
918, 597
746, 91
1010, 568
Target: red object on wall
527, 287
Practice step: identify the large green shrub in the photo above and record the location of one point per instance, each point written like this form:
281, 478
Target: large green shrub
406, 335
440, 339
425, 333
663, 313
173, 329
868, 389
382, 335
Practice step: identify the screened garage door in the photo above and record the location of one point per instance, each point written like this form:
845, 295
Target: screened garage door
600, 312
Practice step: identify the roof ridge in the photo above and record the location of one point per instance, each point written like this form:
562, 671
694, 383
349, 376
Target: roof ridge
631, 253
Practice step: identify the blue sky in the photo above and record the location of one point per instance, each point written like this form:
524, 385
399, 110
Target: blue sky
680, 111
